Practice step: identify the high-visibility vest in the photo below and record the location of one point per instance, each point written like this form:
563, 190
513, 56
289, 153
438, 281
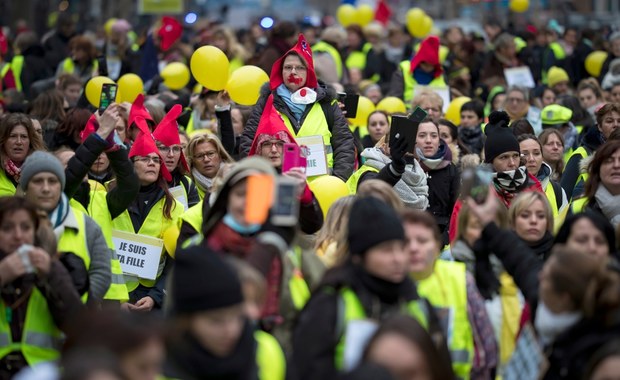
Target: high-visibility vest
550, 193
558, 53
300, 292
17, 65
154, 225
353, 181
324, 47
41, 339
234, 64
193, 216
68, 66
410, 82
357, 59
446, 289
353, 310
583, 177
578, 205
7, 188
73, 240
314, 124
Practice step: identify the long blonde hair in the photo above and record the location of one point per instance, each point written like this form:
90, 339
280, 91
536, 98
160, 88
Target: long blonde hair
525, 200
335, 228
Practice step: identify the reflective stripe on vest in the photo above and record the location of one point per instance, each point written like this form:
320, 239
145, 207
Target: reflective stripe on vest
269, 357
17, 65
154, 225
353, 310
353, 181
446, 289
300, 292
41, 339
314, 124
68, 66
324, 47
410, 83
357, 58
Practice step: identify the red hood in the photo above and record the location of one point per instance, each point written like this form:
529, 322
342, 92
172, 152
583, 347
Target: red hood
169, 33
139, 115
302, 49
429, 53
167, 131
271, 126
145, 145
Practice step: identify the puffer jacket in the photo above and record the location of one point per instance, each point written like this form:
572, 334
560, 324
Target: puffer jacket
342, 141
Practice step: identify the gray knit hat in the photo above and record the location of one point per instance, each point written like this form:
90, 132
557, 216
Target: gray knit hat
39, 162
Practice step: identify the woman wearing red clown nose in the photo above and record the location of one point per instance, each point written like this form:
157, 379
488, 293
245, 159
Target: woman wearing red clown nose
306, 108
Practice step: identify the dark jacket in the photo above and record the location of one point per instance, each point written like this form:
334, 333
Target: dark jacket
35, 68
342, 140
192, 192
443, 191
592, 139
56, 49
128, 185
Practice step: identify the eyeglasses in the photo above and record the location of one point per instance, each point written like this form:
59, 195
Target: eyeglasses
209, 155
299, 69
147, 159
270, 144
166, 149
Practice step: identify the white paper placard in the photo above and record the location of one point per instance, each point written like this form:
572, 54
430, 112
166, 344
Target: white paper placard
316, 159
357, 336
444, 92
178, 192
138, 255
519, 76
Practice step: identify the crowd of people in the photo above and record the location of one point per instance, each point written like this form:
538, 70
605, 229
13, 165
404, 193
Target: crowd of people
143, 240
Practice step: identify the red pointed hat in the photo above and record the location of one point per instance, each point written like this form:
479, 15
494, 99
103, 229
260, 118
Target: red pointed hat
429, 53
145, 145
139, 115
302, 49
271, 126
167, 131
169, 33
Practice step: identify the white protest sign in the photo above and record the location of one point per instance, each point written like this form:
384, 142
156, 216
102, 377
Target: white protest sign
357, 336
316, 158
138, 255
178, 192
443, 92
519, 76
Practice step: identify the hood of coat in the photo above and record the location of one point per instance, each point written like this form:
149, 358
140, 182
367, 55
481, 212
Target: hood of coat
584, 163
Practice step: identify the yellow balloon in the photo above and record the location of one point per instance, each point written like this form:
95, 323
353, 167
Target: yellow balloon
210, 67
392, 105
365, 107
453, 113
364, 15
414, 18
519, 6
170, 237
129, 87
594, 62
327, 190
175, 75
245, 83
108, 25
346, 14
93, 89
421, 29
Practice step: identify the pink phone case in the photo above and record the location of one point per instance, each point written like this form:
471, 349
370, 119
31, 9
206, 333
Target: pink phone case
291, 157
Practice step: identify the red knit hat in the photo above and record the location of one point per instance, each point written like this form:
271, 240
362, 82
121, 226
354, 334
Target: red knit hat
429, 53
145, 145
139, 115
169, 33
271, 126
302, 49
167, 131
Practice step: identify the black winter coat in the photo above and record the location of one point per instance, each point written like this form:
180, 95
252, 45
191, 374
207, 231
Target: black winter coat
35, 68
443, 190
342, 141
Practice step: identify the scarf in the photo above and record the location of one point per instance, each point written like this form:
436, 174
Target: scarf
225, 239
59, 214
387, 292
511, 181
609, 204
296, 109
422, 77
12, 169
440, 160
549, 324
394, 54
544, 175
542, 248
472, 138
231, 222
205, 184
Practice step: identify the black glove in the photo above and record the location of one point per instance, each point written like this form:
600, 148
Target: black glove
486, 281
398, 148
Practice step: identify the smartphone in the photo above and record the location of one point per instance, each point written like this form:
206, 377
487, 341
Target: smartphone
108, 95
341, 96
418, 115
403, 127
475, 183
258, 198
292, 157
285, 209
350, 105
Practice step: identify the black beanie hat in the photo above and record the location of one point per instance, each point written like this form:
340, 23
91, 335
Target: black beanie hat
500, 138
372, 222
202, 281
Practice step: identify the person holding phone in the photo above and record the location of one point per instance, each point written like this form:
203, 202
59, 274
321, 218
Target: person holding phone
305, 108
37, 296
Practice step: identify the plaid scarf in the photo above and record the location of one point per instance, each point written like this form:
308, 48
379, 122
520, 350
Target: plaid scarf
12, 169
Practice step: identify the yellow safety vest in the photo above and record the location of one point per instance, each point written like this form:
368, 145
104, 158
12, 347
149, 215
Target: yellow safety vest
357, 59
300, 292
5, 69
353, 310
581, 151
550, 193
73, 240
314, 124
17, 65
193, 216
41, 339
353, 181
68, 66
446, 289
579, 205
7, 189
558, 53
234, 64
154, 225
324, 47
410, 83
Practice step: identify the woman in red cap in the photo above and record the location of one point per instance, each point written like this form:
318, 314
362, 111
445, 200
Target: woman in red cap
153, 211
306, 108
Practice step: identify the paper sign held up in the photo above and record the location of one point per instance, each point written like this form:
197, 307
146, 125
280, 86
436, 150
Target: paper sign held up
316, 159
139, 255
